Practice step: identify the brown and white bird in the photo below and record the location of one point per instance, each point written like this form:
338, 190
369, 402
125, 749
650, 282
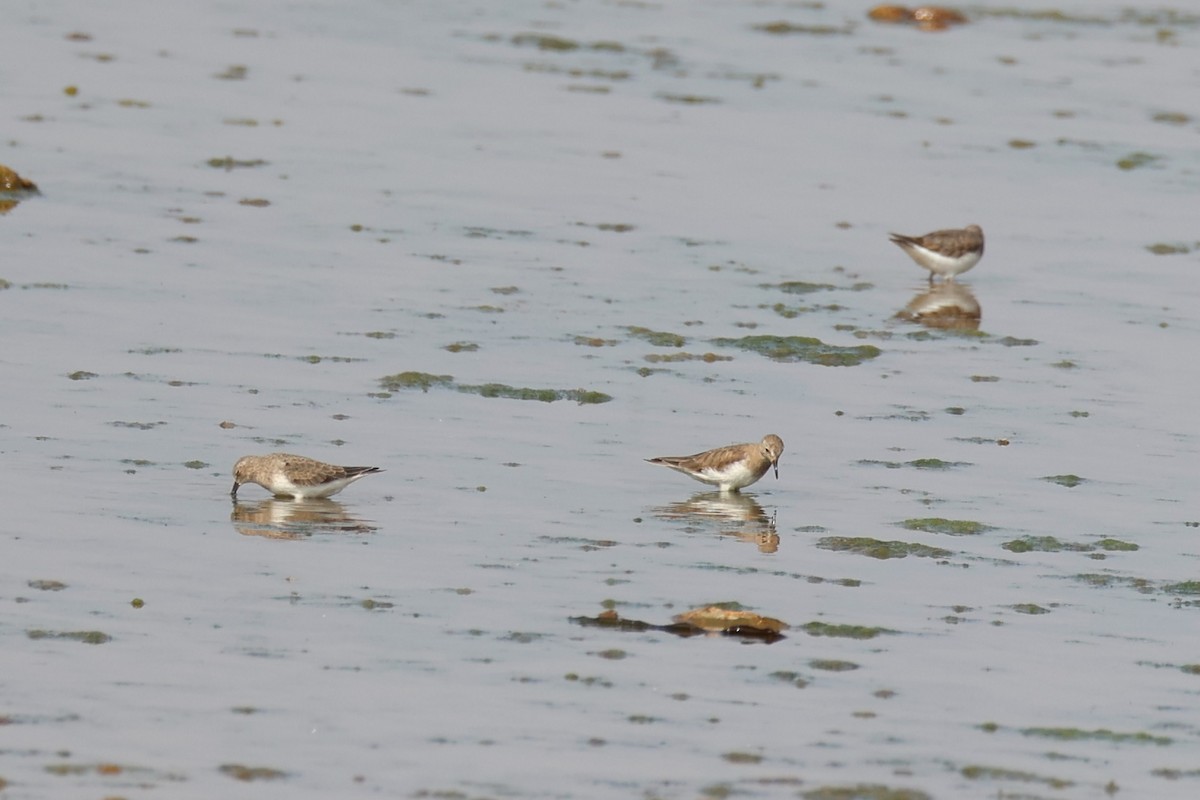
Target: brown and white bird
947, 253
286, 475
731, 467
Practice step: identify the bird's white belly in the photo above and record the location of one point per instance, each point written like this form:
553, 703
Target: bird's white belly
946, 265
734, 476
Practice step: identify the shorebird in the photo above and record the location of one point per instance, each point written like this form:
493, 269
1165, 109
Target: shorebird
946, 253
286, 475
731, 467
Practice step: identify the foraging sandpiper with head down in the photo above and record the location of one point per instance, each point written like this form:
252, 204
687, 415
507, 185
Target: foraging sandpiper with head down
946, 253
729, 468
286, 475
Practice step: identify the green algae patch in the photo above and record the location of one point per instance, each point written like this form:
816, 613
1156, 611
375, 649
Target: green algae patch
155, 351
316, 359
1103, 581
545, 41
876, 548
1137, 161
229, 163
1117, 545
1030, 608
512, 392
87, 637
1172, 118
803, 348
1051, 15
1052, 544
1164, 249
1175, 774
688, 99
1069, 481
800, 287
739, 757
461, 347
1098, 735
129, 774
843, 631
1043, 544
657, 358
936, 463
1186, 587
47, 585
788, 676
594, 341
863, 791
657, 338
82, 375
581, 396
976, 772
952, 527
791, 312
414, 380
784, 28
425, 381
241, 772
607, 227
833, 665
919, 463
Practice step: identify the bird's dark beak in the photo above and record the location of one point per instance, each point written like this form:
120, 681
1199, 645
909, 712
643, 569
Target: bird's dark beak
776, 465
233, 491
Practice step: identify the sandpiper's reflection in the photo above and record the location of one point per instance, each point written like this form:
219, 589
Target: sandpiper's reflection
730, 514
294, 519
948, 305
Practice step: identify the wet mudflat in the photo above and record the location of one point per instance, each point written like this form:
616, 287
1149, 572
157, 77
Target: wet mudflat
506, 252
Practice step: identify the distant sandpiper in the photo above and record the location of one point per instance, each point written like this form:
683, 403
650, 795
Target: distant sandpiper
286, 475
946, 253
732, 467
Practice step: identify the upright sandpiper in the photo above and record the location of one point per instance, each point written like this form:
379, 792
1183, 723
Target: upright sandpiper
731, 467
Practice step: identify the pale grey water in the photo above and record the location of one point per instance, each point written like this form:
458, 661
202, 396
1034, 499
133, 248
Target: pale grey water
414, 637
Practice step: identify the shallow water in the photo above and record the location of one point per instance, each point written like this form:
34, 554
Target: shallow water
433, 177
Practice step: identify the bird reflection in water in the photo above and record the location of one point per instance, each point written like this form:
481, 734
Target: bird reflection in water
948, 306
736, 515
294, 519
